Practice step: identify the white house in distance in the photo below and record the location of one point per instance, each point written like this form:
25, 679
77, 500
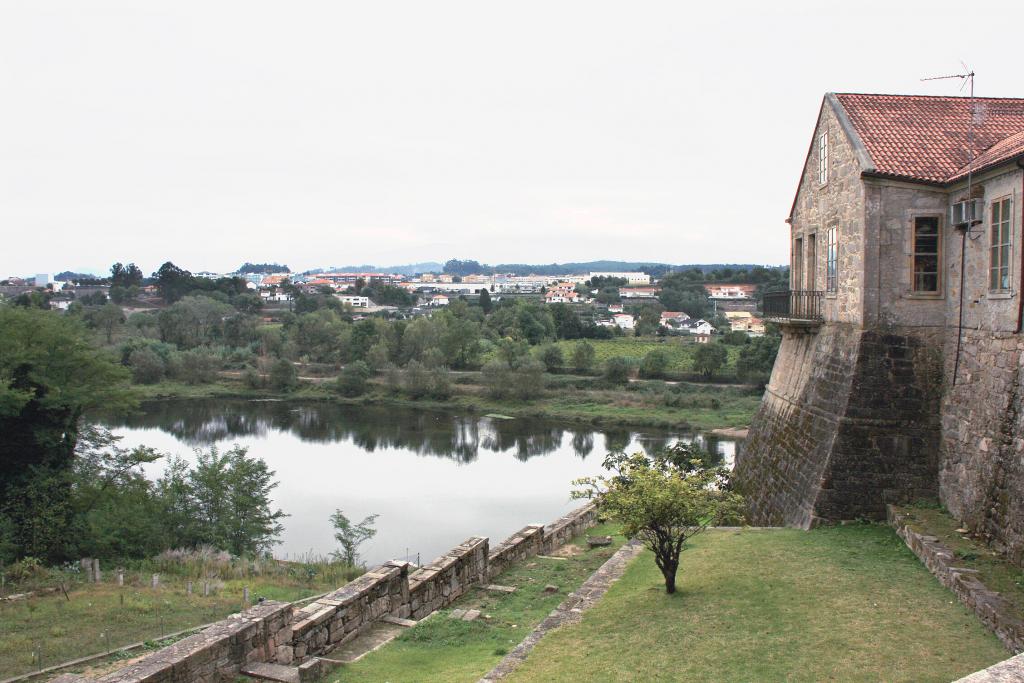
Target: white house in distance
638, 292
624, 321
731, 291
745, 321
439, 300
672, 319
354, 301
615, 308
630, 278
699, 326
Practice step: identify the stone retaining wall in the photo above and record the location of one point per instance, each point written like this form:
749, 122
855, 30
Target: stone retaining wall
995, 611
444, 580
564, 529
341, 615
277, 632
213, 655
523, 544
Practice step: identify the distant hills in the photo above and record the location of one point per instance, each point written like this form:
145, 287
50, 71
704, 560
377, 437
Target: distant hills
457, 267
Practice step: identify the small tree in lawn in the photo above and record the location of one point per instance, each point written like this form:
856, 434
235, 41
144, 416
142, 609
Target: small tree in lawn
665, 500
351, 536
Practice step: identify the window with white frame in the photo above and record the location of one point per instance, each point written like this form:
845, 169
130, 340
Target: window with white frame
1001, 245
823, 158
832, 259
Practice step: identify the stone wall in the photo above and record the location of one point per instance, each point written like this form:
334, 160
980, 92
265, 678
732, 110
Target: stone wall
564, 529
444, 580
981, 478
849, 423
338, 617
276, 632
525, 543
213, 655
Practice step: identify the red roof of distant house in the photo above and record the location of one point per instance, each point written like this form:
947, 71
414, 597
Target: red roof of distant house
926, 138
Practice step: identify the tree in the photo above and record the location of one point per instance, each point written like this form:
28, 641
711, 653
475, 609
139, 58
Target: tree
709, 359
616, 370
551, 356
757, 359
662, 503
583, 357
106, 319
654, 364
283, 375
353, 379
485, 301
173, 282
50, 375
351, 536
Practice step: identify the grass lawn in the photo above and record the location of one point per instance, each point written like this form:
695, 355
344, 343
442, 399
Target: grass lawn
443, 649
49, 629
844, 604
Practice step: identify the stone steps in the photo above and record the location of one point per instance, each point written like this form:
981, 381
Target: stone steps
265, 671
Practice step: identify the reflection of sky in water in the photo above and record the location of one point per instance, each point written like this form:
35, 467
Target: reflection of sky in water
486, 477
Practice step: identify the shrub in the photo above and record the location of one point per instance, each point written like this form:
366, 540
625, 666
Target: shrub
654, 364
551, 356
583, 357
283, 375
616, 370
353, 379
146, 365
195, 366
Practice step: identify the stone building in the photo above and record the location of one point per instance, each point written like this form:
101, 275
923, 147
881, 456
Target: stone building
894, 383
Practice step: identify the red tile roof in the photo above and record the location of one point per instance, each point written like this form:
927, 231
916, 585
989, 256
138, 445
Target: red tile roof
925, 138
1004, 150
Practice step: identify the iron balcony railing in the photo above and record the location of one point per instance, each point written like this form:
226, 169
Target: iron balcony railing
793, 305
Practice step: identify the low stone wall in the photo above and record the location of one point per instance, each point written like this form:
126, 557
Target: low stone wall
276, 632
216, 654
995, 611
340, 616
564, 529
441, 582
523, 544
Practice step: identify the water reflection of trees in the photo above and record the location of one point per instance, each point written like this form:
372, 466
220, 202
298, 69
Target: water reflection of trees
433, 433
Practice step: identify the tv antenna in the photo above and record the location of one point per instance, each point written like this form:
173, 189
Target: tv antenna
966, 80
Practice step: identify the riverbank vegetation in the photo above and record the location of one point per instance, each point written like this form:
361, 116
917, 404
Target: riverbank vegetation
846, 603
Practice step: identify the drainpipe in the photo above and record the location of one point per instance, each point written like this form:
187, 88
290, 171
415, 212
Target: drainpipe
1020, 248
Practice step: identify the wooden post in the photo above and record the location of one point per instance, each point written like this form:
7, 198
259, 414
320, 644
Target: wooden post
120, 577
155, 581
245, 595
206, 589
97, 575
188, 588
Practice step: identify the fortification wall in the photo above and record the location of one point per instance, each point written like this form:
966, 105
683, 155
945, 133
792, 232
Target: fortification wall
848, 425
982, 467
276, 632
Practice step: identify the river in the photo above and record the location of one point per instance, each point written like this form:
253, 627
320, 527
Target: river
435, 478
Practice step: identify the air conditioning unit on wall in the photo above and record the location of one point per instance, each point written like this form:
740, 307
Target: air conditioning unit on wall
965, 213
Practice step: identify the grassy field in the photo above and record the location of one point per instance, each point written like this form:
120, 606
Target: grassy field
834, 604
443, 649
49, 629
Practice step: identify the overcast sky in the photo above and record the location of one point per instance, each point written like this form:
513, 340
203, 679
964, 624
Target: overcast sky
317, 133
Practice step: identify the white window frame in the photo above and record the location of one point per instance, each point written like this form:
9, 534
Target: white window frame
823, 158
996, 262
832, 259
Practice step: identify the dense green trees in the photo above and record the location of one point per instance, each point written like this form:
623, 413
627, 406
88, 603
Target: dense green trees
757, 359
50, 374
